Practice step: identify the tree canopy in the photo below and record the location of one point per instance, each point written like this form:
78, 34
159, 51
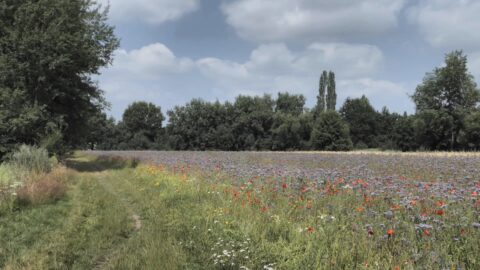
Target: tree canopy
362, 119
449, 90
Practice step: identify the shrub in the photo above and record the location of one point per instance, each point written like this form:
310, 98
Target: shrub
32, 159
7, 185
45, 188
6, 175
331, 133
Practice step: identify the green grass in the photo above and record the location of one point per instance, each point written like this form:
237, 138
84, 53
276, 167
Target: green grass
119, 216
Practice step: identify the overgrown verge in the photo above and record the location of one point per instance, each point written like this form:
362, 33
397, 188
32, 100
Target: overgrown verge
31, 178
78, 231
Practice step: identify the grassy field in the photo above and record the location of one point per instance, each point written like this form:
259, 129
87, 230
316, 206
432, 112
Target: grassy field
168, 214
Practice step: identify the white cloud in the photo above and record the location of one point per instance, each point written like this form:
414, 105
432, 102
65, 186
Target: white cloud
451, 24
277, 60
216, 68
274, 68
349, 60
153, 73
474, 65
380, 92
280, 20
149, 11
156, 74
394, 95
152, 60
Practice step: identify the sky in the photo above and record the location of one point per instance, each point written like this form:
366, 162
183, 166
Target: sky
175, 50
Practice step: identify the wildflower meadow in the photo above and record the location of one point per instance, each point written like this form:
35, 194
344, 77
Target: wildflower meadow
223, 210
319, 210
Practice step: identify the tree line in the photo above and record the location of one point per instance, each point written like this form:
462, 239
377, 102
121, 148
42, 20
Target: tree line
447, 118
50, 49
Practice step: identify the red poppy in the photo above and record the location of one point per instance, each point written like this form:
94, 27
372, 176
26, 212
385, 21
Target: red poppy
284, 186
310, 229
426, 232
440, 203
440, 212
395, 207
390, 232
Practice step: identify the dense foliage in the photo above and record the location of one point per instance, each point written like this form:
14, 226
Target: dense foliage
48, 50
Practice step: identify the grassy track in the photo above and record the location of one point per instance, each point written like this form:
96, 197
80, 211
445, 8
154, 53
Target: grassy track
113, 218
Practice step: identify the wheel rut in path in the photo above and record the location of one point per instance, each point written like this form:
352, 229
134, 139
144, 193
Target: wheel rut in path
137, 221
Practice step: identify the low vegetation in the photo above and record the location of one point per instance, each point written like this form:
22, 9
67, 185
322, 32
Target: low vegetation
254, 211
31, 177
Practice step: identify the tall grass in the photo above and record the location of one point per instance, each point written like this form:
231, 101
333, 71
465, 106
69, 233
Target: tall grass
7, 185
6, 174
43, 188
32, 159
30, 177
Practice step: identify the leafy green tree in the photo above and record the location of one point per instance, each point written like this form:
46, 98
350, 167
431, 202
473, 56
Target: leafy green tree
286, 132
404, 133
20, 121
385, 125
122, 137
103, 134
433, 129
201, 125
306, 120
470, 136
290, 104
111, 136
253, 122
331, 133
144, 123
140, 141
49, 49
452, 90
331, 92
362, 120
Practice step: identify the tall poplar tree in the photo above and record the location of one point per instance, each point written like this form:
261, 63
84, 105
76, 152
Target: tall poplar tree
321, 102
331, 92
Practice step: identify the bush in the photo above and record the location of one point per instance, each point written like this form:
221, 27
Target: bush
32, 159
45, 188
331, 133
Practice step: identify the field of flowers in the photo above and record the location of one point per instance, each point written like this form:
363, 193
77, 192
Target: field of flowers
319, 210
